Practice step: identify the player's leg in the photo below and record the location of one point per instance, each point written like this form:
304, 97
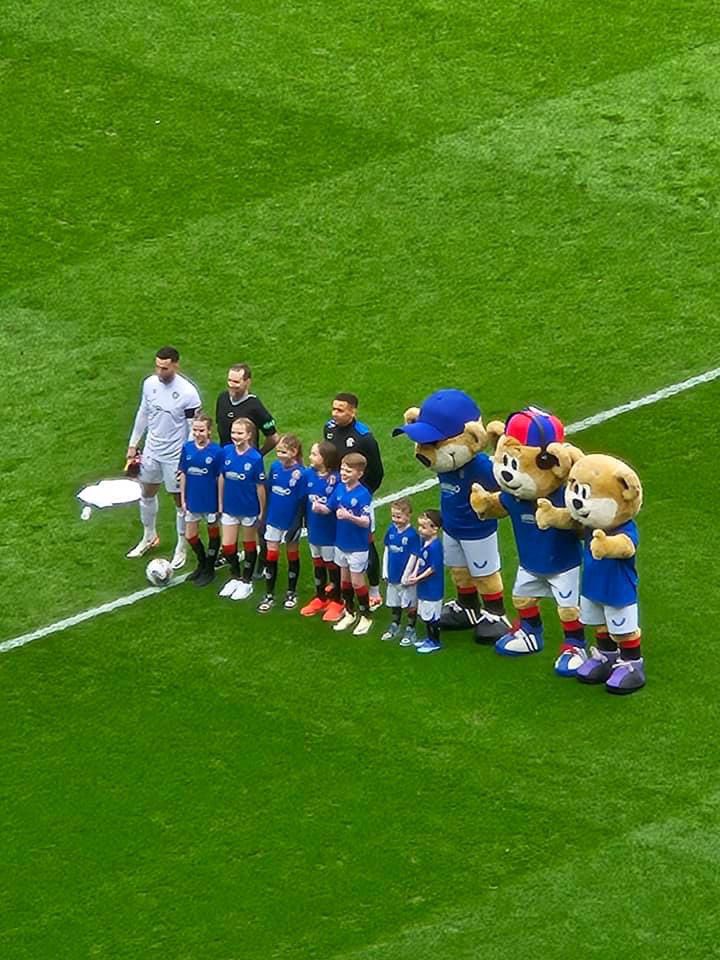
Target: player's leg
409, 600
374, 567
192, 535
358, 578
230, 527
172, 485
430, 612
319, 602
273, 539
293, 559
207, 575
335, 609
347, 592
150, 479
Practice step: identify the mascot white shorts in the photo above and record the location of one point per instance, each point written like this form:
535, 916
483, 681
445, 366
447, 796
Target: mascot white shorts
563, 587
618, 620
481, 557
399, 596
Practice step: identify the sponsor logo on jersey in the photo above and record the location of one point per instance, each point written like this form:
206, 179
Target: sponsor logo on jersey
528, 518
198, 471
281, 491
451, 488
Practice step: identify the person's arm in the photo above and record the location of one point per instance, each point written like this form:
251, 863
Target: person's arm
221, 491
409, 572
374, 471
139, 426
268, 428
385, 564
262, 500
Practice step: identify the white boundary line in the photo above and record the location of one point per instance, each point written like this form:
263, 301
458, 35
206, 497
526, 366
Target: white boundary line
577, 427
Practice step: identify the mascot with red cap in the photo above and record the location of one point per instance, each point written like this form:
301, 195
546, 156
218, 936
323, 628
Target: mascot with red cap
531, 462
449, 439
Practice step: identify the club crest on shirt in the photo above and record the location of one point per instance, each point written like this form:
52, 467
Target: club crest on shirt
208, 460
247, 466
353, 502
175, 395
350, 442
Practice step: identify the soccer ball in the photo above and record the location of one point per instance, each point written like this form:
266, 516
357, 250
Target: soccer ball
159, 572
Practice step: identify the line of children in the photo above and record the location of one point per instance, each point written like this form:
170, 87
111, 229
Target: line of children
228, 486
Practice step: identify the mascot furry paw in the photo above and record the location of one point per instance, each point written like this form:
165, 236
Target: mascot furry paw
531, 461
449, 438
603, 496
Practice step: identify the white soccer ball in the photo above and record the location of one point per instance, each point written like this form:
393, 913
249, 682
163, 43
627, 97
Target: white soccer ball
159, 572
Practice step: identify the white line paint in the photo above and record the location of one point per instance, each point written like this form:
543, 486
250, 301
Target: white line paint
670, 391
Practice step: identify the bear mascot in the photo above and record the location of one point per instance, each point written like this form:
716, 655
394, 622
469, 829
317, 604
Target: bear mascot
602, 498
531, 461
449, 439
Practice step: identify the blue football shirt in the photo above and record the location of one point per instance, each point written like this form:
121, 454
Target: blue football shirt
459, 518
286, 493
610, 581
400, 546
351, 537
431, 555
201, 466
242, 472
546, 552
320, 488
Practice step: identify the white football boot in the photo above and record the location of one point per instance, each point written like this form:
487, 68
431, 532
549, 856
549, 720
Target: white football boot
147, 543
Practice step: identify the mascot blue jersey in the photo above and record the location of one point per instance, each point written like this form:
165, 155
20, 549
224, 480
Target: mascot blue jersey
286, 494
546, 552
458, 517
201, 466
431, 555
243, 472
401, 545
610, 581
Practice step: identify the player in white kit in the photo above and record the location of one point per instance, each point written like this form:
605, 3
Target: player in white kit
168, 404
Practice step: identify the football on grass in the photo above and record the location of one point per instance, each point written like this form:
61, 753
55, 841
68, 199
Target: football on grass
159, 572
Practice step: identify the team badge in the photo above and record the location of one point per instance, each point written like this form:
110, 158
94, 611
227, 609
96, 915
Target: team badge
247, 466
176, 395
350, 442
231, 414
208, 460
353, 502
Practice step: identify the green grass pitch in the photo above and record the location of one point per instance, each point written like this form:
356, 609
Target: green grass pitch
520, 199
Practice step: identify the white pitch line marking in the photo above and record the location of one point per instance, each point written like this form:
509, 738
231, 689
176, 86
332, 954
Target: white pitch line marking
670, 391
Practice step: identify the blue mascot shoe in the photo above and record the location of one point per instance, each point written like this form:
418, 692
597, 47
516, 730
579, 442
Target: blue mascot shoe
521, 640
570, 660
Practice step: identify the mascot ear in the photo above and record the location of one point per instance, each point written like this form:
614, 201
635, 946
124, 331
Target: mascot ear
411, 414
477, 431
495, 429
629, 485
567, 455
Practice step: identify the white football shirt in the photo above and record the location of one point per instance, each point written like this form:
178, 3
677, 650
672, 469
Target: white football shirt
165, 412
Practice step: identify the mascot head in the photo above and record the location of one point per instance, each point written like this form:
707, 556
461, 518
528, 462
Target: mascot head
447, 429
531, 460
603, 492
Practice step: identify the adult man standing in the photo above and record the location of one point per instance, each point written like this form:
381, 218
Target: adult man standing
237, 401
168, 403
350, 435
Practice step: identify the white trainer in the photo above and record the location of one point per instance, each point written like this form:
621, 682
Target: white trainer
179, 558
228, 588
142, 548
362, 627
242, 590
347, 620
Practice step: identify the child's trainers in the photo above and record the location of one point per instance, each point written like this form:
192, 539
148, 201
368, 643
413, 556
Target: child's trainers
266, 604
290, 601
406, 641
429, 646
335, 611
347, 620
410, 634
392, 631
362, 627
375, 601
316, 605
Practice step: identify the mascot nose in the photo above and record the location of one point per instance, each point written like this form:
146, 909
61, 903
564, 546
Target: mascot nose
423, 460
577, 504
506, 475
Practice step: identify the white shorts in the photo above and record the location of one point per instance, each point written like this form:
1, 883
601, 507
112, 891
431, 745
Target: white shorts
356, 561
618, 620
563, 587
429, 610
228, 520
157, 471
399, 596
191, 517
325, 553
481, 557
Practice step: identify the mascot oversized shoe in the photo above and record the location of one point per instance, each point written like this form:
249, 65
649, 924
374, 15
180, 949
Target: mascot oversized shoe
523, 639
627, 677
598, 666
570, 661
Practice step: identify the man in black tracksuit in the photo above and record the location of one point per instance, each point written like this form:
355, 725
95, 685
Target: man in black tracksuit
349, 435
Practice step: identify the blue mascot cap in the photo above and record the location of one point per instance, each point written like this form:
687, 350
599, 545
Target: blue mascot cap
442, 415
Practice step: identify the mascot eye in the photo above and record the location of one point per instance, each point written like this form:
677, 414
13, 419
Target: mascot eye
514, 464
505, 459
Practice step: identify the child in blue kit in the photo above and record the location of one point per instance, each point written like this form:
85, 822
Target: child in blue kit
199, 468
286, 483
427, 575
402, 545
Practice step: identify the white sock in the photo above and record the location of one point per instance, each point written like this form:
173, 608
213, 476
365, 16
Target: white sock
374, 591
148, 514
180, 526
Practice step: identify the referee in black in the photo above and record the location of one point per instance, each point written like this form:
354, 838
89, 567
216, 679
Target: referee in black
349, 435
237, 401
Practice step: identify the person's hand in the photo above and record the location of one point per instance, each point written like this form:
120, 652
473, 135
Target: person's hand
131, 452
343, 513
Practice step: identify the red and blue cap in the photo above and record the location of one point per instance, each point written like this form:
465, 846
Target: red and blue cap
442, 415
533, 427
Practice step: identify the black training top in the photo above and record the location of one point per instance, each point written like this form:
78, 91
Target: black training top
357, 437
226, 412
